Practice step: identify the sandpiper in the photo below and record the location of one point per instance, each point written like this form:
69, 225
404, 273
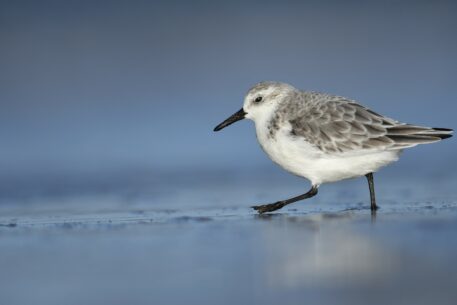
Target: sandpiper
325, 138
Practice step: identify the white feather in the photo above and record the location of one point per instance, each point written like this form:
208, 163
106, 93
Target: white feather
302, 159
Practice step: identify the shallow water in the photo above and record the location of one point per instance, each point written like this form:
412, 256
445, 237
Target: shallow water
199, 243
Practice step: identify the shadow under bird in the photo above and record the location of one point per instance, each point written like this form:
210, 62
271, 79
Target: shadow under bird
325, 138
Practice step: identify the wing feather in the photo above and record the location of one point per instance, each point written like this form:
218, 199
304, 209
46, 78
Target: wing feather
339, 125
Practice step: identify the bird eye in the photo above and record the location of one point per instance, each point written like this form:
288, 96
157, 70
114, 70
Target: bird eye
258, 99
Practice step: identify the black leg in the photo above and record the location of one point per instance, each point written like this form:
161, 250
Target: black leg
280, 204
374, 207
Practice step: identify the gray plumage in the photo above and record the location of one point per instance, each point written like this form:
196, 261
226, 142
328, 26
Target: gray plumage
335, 124
325, 138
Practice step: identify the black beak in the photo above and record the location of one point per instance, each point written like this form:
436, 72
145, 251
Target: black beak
232, 119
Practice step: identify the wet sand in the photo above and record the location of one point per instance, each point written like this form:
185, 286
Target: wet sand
203, 245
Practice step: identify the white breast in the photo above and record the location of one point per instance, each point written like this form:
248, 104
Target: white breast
299, 157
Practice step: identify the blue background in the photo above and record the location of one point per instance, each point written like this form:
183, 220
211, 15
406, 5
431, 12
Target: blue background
113, 88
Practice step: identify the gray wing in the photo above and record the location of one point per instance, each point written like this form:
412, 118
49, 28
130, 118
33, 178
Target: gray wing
345, 126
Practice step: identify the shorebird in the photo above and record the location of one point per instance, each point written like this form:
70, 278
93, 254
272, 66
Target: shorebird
325, 138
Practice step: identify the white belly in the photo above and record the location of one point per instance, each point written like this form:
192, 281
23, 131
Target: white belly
302, 159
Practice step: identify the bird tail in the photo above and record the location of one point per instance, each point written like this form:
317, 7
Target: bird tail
406, 135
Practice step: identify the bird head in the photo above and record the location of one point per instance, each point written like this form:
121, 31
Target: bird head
259, 103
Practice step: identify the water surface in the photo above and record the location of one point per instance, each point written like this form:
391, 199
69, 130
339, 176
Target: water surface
202, 244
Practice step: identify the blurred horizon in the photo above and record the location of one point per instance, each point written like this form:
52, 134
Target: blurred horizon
100, 87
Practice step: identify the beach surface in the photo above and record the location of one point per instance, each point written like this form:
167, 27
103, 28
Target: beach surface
196, 241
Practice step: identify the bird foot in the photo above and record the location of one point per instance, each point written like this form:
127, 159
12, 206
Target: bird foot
265, 208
